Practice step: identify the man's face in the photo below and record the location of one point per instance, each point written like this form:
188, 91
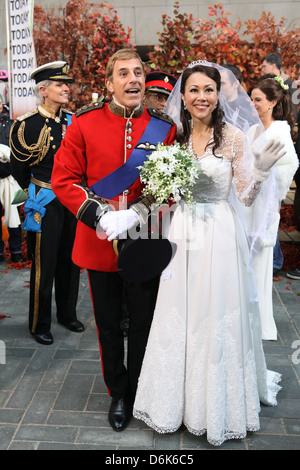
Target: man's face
229, 87
127, 83
155, 100
268, 68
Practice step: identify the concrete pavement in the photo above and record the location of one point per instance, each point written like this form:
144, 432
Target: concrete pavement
54, 398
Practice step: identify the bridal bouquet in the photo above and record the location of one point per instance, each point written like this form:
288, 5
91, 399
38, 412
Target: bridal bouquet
169, 172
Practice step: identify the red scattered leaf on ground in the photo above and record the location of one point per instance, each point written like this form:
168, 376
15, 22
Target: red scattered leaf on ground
287, 219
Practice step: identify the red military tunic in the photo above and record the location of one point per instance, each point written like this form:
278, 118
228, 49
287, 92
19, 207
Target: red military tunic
96, 143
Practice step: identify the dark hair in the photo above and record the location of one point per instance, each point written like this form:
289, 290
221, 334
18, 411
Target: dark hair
273, 59
283, 110
267, 75
217, 114
235, 70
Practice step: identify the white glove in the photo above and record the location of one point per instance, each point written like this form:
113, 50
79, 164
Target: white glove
116, 223
266, 158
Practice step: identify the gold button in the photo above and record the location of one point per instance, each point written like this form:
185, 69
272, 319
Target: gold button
54, 146
51, 138
47, 120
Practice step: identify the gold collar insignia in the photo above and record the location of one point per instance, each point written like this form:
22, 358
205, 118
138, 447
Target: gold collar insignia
120, 110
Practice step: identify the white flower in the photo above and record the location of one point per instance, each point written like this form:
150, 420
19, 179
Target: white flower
169, 173
281, 82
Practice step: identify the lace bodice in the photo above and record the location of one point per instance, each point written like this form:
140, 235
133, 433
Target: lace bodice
214, 182
231, 164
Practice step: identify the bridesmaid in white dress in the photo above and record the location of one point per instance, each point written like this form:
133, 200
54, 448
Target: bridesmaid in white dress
274, 106
204, 364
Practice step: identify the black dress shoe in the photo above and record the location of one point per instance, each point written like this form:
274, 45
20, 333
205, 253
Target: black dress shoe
43, 338
75, 325
119, 414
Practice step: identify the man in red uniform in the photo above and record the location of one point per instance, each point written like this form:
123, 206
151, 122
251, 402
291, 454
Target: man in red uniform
104, 145
158, 86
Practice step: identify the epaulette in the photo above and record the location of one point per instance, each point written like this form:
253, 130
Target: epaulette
26, 115
159, 115
89, 107
67, 111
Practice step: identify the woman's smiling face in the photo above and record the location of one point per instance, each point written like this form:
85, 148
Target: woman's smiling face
56, 94
200, 96
262, 105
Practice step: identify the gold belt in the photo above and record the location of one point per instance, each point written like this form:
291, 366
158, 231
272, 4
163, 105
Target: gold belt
41, 184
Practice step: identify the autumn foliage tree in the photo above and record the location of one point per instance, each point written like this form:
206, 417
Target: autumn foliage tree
176, 48
84, 35
185, 38
267, 36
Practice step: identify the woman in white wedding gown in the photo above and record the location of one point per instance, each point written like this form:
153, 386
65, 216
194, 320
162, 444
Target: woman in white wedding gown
274, 106
204, 364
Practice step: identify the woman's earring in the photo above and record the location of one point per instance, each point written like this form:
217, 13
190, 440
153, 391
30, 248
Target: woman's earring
184, 106
216, 105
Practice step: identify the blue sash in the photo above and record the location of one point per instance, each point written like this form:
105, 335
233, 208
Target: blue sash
123, 177
34, 207
69, 118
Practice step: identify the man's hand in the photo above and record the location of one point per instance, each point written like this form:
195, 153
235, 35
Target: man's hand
117, 223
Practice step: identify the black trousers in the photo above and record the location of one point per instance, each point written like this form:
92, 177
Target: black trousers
107, 295
50, 252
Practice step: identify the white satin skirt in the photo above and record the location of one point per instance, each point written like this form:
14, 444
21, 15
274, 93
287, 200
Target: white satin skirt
204, 364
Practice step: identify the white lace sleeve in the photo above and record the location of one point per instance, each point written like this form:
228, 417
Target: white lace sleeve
255, 202
247, 188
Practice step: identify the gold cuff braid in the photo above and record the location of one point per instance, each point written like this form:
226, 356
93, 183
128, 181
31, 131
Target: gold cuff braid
143, 207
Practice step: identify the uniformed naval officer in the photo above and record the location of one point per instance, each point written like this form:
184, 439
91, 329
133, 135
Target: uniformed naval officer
158, 86
105, 143
34, 141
